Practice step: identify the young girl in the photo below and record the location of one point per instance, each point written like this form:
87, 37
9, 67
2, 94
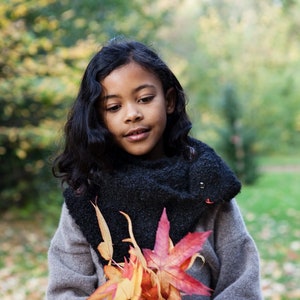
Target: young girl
127, 143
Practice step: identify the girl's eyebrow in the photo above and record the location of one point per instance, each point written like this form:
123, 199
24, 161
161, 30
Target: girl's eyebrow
144, 86
137, 89
106, 97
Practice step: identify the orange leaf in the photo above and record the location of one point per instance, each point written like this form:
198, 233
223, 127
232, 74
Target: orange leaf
137, 253
149, 291
123, 283
170, 262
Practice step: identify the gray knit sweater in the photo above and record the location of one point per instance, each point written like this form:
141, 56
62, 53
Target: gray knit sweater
197, 196
231, 260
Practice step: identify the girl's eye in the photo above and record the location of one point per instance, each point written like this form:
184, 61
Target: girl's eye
113, 108
145, 99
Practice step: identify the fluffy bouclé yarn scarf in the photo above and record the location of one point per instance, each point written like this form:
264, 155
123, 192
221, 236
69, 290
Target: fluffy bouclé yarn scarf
142, 188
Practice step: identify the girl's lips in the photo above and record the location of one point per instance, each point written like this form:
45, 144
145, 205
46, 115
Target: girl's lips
137, 134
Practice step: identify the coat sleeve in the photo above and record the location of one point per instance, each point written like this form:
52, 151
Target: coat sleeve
238, 275
72, 272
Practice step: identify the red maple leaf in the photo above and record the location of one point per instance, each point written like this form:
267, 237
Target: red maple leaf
170, 262
151, 275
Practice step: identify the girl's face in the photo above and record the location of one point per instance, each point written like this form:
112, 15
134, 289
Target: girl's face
134, 109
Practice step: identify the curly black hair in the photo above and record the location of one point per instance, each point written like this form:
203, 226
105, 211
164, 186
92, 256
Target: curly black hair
88, 145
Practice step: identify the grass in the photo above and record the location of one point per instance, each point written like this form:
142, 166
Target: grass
279, 160
271, 209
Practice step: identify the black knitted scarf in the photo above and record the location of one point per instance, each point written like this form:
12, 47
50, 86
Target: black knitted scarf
142, 188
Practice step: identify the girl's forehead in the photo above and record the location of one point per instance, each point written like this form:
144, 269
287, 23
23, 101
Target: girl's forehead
130, 75
128, 67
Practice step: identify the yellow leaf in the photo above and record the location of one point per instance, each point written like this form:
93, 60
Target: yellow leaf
174, 294
131, 288
105, 248
137, 250
113, 273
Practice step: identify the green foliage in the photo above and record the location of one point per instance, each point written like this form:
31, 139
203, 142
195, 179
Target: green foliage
46, 44
44, 48
237, 144
255, 46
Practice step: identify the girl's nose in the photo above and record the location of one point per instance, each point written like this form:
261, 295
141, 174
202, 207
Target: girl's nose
133, 113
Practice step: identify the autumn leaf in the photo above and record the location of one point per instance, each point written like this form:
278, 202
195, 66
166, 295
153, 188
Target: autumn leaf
123, 282
150, 291
108, 289
130, 287
150, 275
105, 248
136, 249
170, 262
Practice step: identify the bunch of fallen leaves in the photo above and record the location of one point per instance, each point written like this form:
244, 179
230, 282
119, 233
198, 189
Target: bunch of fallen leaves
150, 274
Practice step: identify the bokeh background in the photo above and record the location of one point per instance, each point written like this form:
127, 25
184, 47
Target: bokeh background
239, 62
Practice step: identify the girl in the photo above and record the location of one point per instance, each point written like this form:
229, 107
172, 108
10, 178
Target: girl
127, 143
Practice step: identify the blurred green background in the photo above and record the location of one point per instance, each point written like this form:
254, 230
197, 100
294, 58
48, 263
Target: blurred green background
251, 48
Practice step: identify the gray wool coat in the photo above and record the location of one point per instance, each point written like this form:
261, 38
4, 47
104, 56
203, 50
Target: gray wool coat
231, 265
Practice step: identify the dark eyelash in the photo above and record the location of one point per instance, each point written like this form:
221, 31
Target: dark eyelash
146, 99
113, 108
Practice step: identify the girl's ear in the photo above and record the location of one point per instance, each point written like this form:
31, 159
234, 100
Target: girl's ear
170, 100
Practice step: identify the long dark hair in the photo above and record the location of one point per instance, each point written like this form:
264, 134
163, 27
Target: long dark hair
88, 144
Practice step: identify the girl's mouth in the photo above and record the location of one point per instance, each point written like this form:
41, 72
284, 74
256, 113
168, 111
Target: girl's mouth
137, 134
